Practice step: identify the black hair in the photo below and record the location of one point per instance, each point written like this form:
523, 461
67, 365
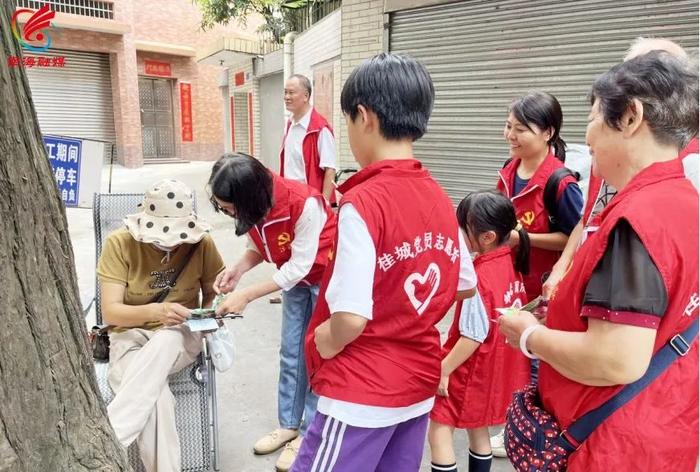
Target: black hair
490, 210
304, 81
667, 87
543, 110
242, 180
397, 88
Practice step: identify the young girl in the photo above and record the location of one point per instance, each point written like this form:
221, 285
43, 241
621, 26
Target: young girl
479, 372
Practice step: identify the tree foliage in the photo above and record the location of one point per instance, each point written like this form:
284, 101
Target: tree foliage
280, 15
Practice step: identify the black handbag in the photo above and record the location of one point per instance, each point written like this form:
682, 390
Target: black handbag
99, 342
99, 335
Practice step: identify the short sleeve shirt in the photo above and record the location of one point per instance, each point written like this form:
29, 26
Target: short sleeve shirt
145, 270
626, 287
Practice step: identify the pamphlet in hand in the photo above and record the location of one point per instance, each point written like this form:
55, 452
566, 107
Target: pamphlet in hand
205, 319
202, 324
535, 307
202, 319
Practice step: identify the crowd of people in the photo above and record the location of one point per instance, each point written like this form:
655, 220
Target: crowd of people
364, 376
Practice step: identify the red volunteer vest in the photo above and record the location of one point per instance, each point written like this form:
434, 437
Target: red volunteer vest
309, 149
533, 215
482, 388
662, 207
273, 237
395, 362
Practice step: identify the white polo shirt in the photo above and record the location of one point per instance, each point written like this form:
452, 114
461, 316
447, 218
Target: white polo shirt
294, 167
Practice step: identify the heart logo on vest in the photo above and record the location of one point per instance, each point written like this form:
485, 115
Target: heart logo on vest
423, 286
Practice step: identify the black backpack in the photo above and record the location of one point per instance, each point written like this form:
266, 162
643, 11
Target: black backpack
550, 191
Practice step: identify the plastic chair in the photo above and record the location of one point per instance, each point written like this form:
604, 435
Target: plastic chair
194, 387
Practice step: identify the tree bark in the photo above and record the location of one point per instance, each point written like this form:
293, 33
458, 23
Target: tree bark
52, 417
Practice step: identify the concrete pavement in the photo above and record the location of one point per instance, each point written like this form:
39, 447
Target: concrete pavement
247, 392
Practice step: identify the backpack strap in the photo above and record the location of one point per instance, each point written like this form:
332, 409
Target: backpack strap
677, 346
550, 193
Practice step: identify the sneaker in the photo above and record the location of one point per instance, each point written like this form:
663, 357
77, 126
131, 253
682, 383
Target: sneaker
498, 447
286, 459
274, 440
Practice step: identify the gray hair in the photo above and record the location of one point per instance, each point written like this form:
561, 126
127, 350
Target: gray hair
303, 80
667, 87
643, 45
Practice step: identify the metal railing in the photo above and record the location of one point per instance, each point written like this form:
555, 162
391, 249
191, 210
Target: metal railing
91, 8
303, 18
267, 42
297, 19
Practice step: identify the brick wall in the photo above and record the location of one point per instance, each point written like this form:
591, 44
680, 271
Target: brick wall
175, 22
361, 37
178, 22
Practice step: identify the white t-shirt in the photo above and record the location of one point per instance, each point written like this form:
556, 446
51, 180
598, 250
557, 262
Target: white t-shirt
350, 290
294, 167
307, 232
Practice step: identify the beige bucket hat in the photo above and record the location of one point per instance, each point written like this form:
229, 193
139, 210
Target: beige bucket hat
167, 217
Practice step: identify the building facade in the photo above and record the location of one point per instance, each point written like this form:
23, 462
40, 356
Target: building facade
481, 55
130, 77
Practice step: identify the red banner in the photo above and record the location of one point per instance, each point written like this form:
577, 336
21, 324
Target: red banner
186, 111
161, 69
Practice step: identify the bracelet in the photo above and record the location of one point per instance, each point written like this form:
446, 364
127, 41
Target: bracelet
523, 340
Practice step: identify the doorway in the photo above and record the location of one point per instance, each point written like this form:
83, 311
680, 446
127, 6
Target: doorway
156, 102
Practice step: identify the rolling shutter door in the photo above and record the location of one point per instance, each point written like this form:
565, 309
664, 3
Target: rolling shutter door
74, 100
482, 54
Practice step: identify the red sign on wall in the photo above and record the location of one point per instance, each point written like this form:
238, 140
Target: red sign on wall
239, 79
186, 112
161, 69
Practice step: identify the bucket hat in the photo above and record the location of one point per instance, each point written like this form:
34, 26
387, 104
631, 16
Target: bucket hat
167, 216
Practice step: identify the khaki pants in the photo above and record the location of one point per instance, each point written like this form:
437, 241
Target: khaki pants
143, 408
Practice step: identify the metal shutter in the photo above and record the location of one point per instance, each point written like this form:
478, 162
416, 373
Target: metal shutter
482, 54
75, 100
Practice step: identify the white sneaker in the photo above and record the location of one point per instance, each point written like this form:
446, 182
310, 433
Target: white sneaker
289, 454
498, 447
274, 440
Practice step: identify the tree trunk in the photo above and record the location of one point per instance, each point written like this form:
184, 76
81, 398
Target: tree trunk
51, 415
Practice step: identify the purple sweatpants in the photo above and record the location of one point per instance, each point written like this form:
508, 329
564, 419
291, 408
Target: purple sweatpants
333, 446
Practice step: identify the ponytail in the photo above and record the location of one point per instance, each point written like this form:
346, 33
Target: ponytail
522, 255
559, 148
489, 210
544, 111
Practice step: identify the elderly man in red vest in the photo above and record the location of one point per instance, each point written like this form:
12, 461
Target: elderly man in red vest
308, 150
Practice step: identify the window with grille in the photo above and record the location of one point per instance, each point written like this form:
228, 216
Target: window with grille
93, 8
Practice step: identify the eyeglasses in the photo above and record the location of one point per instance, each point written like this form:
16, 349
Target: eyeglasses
219, 209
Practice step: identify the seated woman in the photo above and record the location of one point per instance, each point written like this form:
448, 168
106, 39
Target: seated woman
151, 274
633, 285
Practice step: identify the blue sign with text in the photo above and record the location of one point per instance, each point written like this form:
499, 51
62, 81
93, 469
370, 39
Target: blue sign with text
64, 156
